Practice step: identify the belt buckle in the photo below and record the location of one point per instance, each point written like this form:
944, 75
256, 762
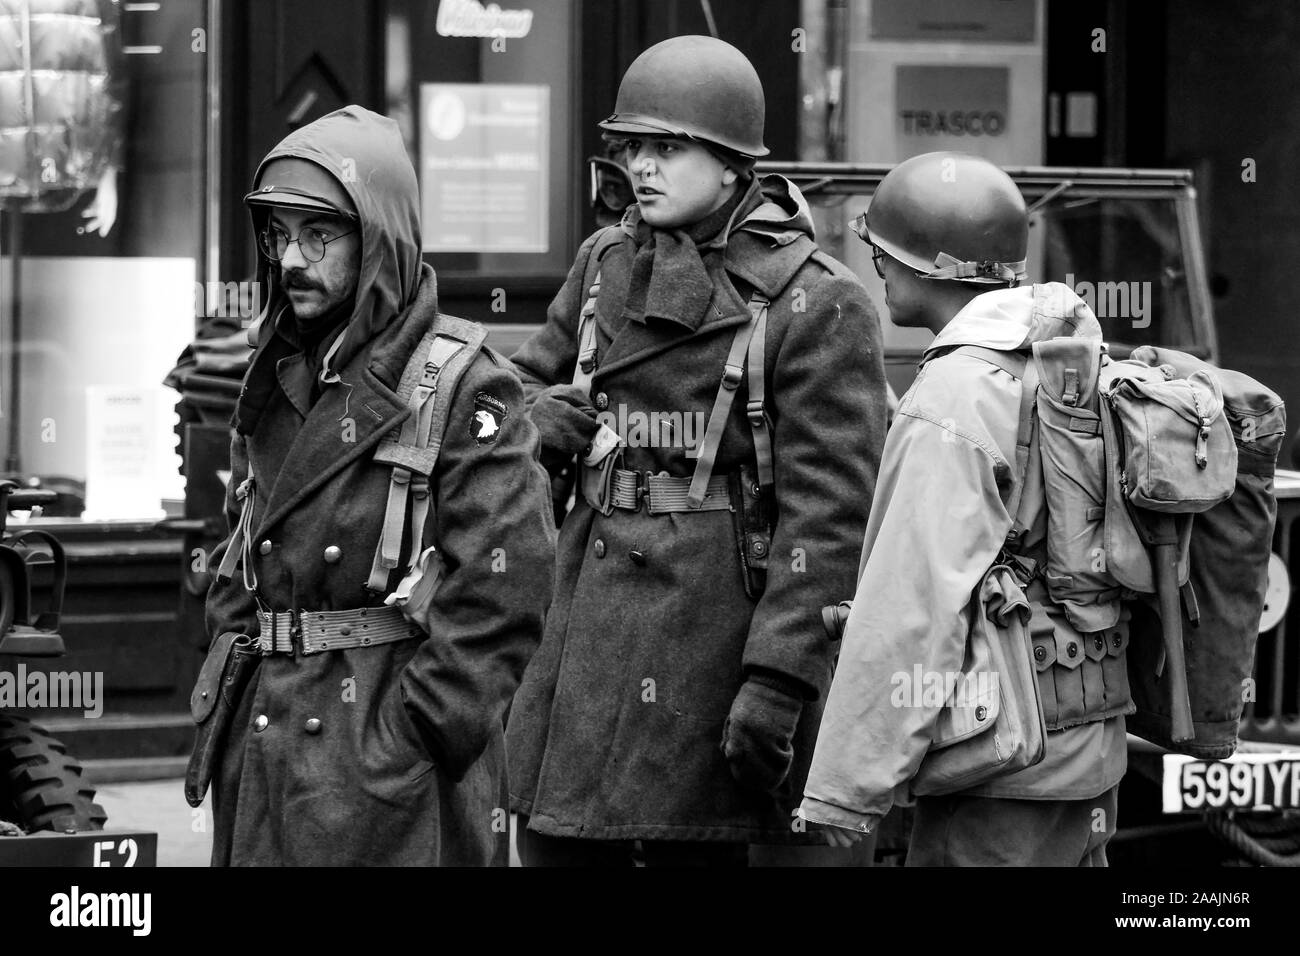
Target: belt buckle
643, 491
295, 631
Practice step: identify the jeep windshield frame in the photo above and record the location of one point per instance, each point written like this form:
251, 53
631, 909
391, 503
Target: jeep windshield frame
1111, 232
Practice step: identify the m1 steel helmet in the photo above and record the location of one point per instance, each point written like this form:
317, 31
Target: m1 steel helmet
695, 87
293, 183
950, 216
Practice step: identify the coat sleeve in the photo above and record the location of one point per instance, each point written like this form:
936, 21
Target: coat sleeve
828, 389
549, 355
937, 523
494, 527
230, 607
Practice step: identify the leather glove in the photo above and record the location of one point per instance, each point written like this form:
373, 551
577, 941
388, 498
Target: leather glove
757, 736
565, 419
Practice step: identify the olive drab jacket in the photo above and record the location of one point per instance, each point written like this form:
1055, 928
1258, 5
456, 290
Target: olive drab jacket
616, 730
392, 753
938, 520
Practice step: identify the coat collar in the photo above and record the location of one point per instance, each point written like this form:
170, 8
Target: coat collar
768, 246
351, 417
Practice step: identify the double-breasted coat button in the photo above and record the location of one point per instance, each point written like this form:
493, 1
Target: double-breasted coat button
265, 547
602, 401
312, 726
981, 712
333, 553
599, 548
638, 558
261, 723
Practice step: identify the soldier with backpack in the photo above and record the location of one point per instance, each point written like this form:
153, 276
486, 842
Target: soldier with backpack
391, 544
722, 381
959, 494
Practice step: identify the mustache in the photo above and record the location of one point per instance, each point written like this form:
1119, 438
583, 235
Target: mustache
296, 280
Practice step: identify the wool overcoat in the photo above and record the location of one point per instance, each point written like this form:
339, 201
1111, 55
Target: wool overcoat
393, 753
616, 731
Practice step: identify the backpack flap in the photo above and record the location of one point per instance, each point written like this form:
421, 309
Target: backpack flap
1179, 452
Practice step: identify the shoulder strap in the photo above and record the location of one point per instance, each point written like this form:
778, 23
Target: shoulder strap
743, 348
1018, 366
437, 364
585, 369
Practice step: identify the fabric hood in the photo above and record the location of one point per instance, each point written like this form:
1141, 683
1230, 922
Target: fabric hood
1016, 318
364, 152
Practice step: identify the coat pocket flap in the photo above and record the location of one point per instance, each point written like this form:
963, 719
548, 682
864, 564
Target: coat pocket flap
1094, 645
208, 686
1117, 640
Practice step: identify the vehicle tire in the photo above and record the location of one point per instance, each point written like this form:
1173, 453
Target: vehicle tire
8, 598
41, 787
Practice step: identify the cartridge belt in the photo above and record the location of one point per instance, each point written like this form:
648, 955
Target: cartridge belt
664, 493
314, 632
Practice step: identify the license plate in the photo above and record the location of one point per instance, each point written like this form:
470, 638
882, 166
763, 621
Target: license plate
91, 848
1248, 783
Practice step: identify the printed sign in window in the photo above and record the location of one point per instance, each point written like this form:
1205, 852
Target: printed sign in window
950, 107
483, 175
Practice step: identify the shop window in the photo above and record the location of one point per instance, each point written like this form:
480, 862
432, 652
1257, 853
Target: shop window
486, 98
103, 138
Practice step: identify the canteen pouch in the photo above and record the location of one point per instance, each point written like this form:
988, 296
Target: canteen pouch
230, 664
1074, 481
992, 723
1179, 456
597, 470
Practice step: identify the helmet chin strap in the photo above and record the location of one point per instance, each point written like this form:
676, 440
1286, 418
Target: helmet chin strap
950, 267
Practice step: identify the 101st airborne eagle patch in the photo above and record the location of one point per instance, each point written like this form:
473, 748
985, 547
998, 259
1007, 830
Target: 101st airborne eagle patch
489, 414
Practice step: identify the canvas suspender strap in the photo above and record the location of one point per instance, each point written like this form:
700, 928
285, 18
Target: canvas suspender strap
732, 374
754, 409
1018, 366
585, 370
439, 360
241, 540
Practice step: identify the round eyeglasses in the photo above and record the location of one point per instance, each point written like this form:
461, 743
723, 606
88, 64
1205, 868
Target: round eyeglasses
311, 242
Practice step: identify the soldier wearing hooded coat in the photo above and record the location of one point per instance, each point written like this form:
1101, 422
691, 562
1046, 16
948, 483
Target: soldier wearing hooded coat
670, 701
384, 752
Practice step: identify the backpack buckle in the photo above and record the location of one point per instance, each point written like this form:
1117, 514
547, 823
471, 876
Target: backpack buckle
731, 376
754, 411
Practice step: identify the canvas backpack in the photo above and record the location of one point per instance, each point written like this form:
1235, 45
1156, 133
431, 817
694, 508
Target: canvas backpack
1155, 474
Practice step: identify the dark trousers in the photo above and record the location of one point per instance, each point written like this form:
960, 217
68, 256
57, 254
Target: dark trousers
538, 850
958, 830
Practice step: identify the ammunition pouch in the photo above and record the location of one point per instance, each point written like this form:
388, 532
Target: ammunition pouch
751, 516
1082, 676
